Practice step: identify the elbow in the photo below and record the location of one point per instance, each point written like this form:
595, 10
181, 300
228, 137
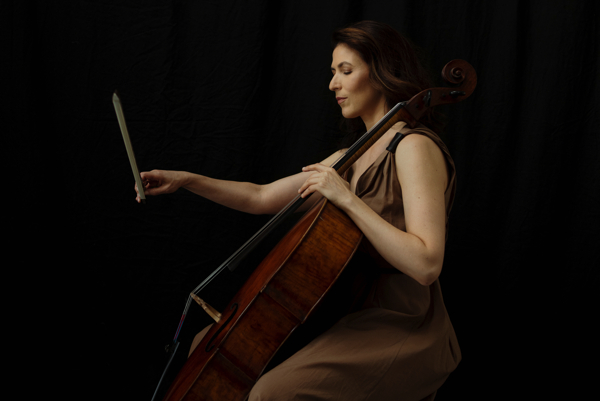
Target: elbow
429, 274
428, 279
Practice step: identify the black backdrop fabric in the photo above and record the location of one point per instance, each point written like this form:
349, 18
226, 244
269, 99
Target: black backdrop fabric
238, 90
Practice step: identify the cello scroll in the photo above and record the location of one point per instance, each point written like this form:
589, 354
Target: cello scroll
463, 78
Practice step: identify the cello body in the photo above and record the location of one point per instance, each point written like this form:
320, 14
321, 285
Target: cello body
279, 296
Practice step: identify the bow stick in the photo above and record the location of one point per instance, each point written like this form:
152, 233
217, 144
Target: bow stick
128, 147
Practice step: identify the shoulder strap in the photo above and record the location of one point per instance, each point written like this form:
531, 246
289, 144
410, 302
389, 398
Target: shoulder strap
394, 142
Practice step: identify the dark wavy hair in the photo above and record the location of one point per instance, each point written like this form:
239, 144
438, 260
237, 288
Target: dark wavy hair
395, 68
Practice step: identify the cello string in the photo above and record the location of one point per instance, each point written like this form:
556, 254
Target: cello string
183, 315
232, 258
225, 264
359, 144
273, 222
294, 202
298, 200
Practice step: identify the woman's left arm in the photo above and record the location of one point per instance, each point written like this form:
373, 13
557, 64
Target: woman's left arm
421, 168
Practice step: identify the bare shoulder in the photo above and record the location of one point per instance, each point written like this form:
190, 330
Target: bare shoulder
416, 148
419, 157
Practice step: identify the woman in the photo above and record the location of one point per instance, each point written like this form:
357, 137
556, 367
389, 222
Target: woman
400, 345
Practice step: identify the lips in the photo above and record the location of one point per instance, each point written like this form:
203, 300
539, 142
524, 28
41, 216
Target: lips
340, 100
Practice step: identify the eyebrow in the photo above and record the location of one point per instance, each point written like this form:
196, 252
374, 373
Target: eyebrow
341, 64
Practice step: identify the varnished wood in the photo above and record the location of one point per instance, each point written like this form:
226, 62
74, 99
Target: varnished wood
280, 295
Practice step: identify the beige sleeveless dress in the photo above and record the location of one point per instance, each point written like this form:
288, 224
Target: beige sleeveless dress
399, 346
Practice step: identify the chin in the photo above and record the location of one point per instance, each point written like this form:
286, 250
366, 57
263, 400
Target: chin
348, 114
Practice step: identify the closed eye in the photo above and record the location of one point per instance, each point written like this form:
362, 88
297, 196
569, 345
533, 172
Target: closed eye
343, 72
343, 64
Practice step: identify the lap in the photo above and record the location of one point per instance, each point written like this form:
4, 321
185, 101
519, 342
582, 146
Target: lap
353, 361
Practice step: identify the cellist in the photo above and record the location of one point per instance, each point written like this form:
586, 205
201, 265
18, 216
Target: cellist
400, 345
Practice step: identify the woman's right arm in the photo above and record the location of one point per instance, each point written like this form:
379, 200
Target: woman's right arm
243, 196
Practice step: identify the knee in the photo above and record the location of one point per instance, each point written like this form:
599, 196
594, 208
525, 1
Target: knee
258, 391
265, 389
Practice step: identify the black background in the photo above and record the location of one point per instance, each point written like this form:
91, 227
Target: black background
239, 90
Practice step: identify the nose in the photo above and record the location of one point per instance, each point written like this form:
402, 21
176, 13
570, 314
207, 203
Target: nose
334, 84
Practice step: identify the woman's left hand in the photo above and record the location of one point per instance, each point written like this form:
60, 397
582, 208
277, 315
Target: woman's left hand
327, 182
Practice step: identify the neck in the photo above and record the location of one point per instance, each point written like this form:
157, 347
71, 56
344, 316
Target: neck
371, 119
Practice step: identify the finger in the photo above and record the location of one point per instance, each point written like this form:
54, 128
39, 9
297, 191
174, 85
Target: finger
309, 190
312, 180
151, 176
150, 191
315, 167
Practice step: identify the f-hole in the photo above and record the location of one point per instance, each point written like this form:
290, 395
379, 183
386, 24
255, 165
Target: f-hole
210, 345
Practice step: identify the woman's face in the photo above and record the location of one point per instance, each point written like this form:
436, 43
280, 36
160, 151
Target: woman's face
353, 89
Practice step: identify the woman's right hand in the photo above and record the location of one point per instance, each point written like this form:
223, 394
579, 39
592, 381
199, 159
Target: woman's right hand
159, 182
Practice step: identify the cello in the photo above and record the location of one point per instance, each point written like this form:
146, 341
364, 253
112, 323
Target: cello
292, 281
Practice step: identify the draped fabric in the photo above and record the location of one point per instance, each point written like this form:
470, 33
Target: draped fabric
239, 90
